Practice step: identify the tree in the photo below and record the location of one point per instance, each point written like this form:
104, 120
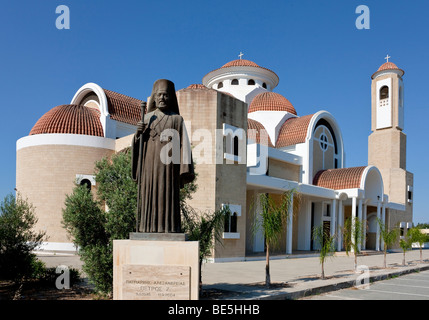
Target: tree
353, 237
93, 227
326, 242
389, 237
423, 226
203, 227
405, 244
274, 219
18, 238
416, 236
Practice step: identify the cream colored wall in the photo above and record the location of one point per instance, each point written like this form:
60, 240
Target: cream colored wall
217, 183
198, 108
123, 143
282, 170
46, 174
387, 148
231, 178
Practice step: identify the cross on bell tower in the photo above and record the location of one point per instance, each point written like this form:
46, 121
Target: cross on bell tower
241, 55
387, 58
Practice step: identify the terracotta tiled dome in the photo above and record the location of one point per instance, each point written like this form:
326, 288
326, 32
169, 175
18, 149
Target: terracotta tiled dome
197, 86
72, 119
346, 178
293, 131
387, 66
123, 108
240, 63
271, 101
254, 129
243, 63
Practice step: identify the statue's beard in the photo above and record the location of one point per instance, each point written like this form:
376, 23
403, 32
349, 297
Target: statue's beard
162, 106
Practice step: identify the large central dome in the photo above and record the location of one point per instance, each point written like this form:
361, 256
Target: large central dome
71, 119
241, 78
271, 101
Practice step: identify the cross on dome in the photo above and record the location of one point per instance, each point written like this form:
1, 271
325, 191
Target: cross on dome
387, 58
241, 55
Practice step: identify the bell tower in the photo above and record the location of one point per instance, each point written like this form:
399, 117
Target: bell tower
387, 144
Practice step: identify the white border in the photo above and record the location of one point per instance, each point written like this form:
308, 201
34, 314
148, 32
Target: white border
65, 139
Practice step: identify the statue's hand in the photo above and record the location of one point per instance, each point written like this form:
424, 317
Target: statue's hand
140, 127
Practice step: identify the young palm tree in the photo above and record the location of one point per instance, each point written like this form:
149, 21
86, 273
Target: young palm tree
417, 236
353, 237
326, 242
274, 219
405, 245
389, 237
204, 227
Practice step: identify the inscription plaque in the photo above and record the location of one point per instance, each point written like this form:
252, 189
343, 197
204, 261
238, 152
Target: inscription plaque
149, 282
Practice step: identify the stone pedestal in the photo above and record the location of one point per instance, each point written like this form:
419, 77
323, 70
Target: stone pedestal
155, 267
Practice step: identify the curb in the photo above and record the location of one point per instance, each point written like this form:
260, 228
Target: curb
337, 286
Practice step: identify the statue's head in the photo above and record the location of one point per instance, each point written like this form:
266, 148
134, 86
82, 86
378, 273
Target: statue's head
163, 97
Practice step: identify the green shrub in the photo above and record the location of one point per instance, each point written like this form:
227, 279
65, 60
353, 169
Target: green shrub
92, 228
18, 239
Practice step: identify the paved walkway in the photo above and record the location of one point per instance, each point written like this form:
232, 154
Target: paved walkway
301, 276
292, 277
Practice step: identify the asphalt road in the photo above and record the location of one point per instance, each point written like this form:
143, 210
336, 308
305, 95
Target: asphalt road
414, 286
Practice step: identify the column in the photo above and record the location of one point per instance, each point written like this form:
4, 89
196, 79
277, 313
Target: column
377, 237
258, 237
360, 220
289, 229
308, 238
383, 219
365, 209
353, 222
340, 225
333, 217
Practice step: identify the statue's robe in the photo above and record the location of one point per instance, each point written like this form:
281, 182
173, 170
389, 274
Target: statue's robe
161, 165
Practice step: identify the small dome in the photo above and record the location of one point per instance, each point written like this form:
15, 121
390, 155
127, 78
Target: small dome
271, 101
196, 86
388, 66
71, 119
240, 63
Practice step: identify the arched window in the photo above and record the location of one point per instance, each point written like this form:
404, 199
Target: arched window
384, 92
234, 82
264, 85
220, 85
251, 82
86, 183
230, 222
235, 146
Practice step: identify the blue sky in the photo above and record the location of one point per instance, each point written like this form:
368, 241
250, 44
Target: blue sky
322, 59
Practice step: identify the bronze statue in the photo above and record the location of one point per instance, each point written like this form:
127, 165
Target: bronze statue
161, 161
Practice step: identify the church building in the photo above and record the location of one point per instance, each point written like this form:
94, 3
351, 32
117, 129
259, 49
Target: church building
247, 140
